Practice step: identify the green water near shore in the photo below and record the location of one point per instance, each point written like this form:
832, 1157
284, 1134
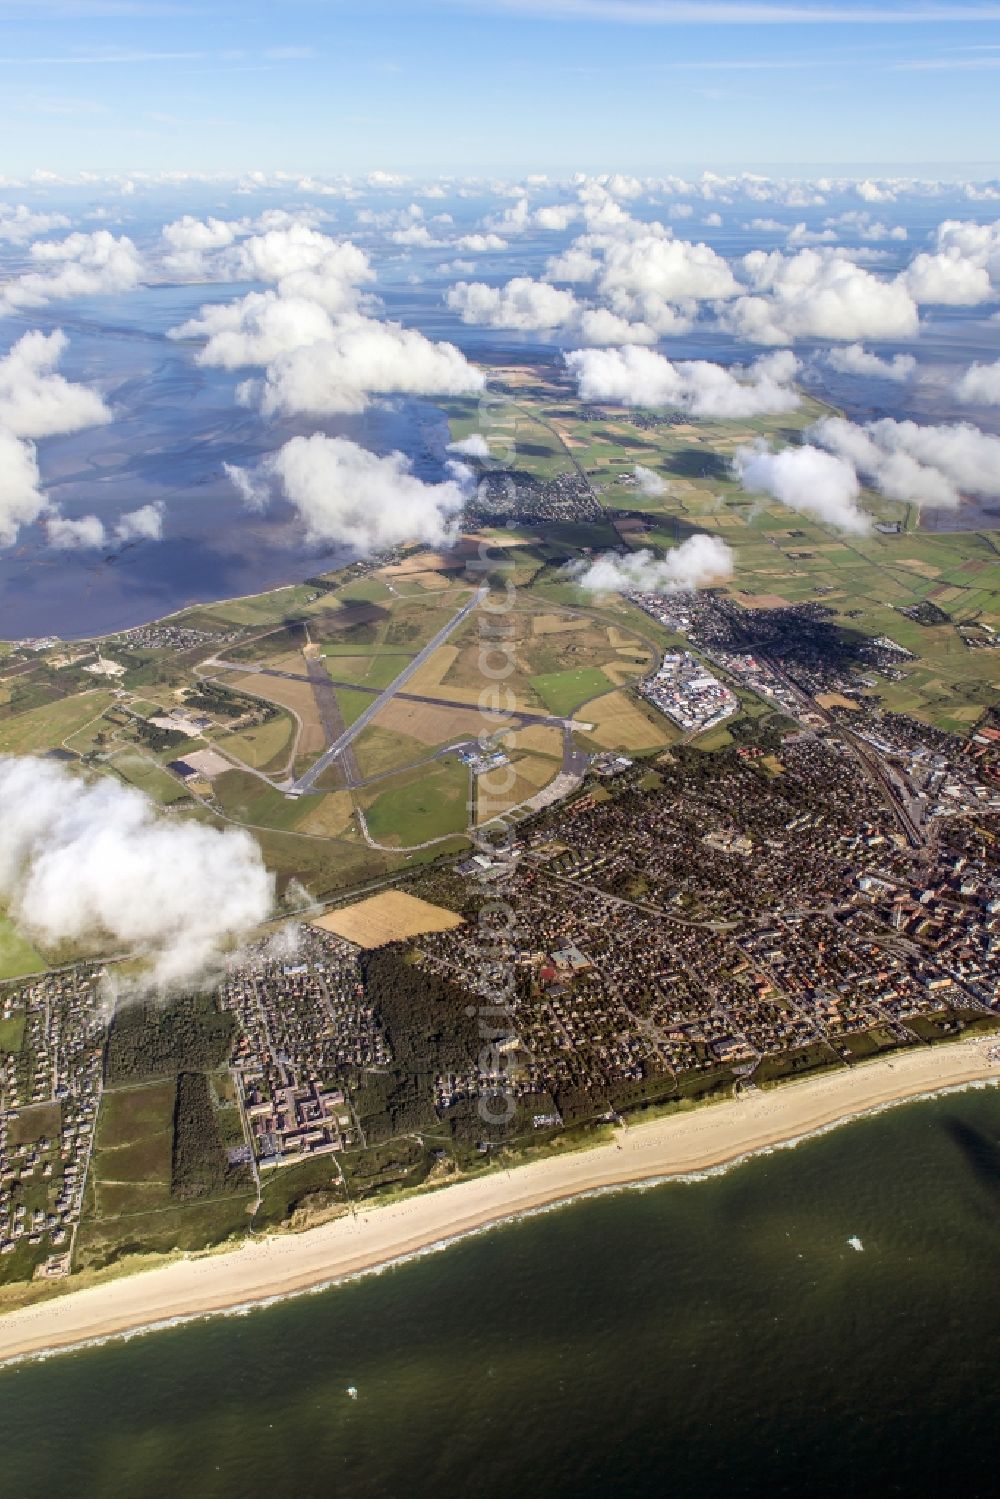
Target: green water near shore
718, 1337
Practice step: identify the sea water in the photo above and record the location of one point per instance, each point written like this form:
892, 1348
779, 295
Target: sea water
717, 1337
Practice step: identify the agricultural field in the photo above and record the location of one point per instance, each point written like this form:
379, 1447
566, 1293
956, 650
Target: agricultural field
296, 696
562, 651
51, 725
17, 957
390, 917
130, 1169
137, 1198
418, 806
12, 1033
143, 772
266, 746
622, 723
563, 692
254, 610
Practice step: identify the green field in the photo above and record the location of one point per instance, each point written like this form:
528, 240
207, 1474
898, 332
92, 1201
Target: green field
264, 747
563, 692
12, 1032
353, 703
17, 956
129, 1205
143, 772
421, 805
130, 1168
374, 669
38, 1121
257, 609
48, 726
130, 1114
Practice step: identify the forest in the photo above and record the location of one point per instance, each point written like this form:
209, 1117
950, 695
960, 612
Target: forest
152, 1039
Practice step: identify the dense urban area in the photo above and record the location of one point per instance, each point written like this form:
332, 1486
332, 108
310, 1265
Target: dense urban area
823, 889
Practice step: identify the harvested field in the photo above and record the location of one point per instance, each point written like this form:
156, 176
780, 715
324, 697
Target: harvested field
432, 582
536, 770
389, 917
456, 673
424, 562
553, 624
621, 724
297, 696
428, 679
508, 786
264, 747
329, 816
763, 600
291, 661
621, 640
429, 724
536, 737
621, 672
464, 548
836, 700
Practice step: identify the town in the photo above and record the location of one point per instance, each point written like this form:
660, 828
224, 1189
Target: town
814, 896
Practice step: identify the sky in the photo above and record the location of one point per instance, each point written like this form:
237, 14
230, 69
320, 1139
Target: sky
437, 87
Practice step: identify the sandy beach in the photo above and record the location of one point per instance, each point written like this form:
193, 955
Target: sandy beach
284, 1264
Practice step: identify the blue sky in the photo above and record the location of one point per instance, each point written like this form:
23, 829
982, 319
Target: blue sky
497, 86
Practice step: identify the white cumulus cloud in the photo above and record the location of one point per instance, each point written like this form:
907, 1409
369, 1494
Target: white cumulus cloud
85, 533
21, 497
855, 359
321, 353
144, 524
818, 294
360, 359
82, 265
97, 863
948, 279
474, 446
20, 224
347, 495
523, 304
979, 385
674, 269
699, 562
922, 465
648, 481
36, 402
641, 377
816, 483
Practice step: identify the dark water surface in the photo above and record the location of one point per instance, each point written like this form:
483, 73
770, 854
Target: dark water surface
175, 425
714, 1338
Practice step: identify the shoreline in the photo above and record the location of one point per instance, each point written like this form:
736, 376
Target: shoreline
708, 1138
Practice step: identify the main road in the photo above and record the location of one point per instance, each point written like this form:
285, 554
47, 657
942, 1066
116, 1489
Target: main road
307, 781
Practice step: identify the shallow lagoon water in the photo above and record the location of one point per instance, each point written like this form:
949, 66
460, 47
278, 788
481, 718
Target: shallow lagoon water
176, 423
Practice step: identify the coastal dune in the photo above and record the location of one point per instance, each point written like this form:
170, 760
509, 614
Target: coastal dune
679, 1145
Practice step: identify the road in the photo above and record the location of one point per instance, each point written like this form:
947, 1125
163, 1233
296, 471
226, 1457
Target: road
307, 781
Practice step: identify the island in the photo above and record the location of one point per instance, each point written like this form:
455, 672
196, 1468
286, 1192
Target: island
556, 868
